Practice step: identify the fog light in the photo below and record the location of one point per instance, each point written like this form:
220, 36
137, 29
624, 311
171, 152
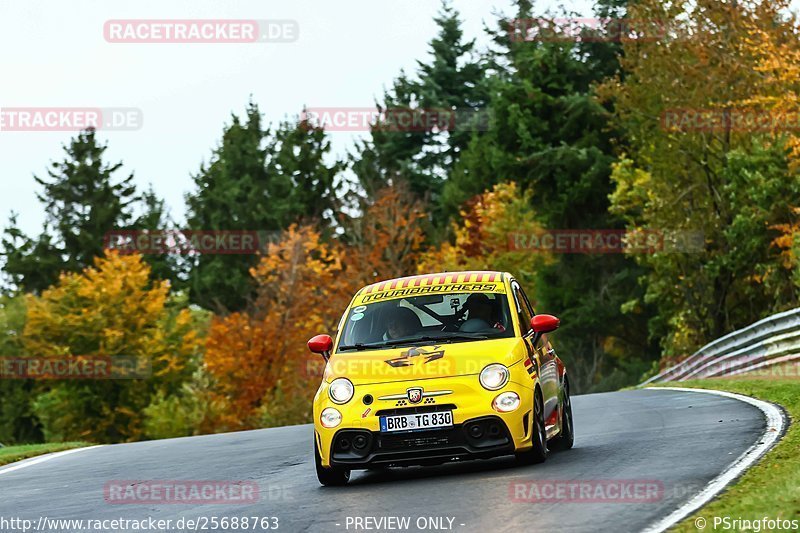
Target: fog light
330, 418
506, 402
360, 442
475, 431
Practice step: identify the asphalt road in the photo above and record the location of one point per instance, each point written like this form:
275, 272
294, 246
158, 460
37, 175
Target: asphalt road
673, 441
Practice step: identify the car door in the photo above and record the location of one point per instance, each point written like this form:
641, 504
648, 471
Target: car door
542, 349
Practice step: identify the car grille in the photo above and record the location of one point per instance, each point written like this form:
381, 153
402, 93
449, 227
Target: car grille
405, 443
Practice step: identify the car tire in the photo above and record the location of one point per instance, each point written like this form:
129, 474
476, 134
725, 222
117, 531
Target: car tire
537, 453
566, 437
331, 476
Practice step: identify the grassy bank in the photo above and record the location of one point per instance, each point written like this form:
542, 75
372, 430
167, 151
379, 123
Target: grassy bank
10, 454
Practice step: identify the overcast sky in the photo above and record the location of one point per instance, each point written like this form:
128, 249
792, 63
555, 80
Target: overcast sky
54, 54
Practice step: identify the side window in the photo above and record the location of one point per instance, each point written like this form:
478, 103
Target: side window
523, 308
527, 302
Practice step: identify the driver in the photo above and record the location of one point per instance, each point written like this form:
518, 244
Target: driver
402, 323
480, 306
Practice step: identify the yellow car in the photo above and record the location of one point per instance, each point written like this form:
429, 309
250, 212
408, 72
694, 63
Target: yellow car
434, 368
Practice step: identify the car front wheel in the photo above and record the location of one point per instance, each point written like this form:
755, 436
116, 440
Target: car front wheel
538, 453
331, 476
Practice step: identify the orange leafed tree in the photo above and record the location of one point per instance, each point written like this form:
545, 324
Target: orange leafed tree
788, 242
302, 292
386, 242
775, 48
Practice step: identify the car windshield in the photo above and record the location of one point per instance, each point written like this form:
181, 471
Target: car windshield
457, 317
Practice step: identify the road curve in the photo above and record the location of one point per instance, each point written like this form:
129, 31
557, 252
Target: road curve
678, 440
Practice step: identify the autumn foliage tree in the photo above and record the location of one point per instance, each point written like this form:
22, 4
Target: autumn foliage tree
482, 236
788, 242
386, 241
108, 310
302, 289
682, 170
775, 49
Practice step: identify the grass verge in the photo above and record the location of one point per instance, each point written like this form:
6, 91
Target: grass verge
10, 454
771, 487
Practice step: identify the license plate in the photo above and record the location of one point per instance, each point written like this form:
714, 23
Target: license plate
442, 419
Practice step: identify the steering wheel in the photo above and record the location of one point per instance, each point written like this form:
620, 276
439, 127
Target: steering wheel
474, 325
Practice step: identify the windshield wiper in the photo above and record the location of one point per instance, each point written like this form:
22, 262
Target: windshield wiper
453, 337
362, 346
432, 338
415, 340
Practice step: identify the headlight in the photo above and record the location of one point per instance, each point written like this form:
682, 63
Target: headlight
494, 377
506, 402
330, 418
341, 390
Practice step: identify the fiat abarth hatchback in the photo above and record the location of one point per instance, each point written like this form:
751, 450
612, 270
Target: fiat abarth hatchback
436, 368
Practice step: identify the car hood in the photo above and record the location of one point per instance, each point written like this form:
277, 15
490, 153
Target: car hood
422, 362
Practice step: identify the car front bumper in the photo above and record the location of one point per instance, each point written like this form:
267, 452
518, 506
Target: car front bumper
478, 438
503, 434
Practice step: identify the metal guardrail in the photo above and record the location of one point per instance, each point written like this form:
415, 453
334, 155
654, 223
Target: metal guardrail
770, 341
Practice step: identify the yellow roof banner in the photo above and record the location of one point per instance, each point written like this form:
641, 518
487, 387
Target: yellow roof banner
445, 283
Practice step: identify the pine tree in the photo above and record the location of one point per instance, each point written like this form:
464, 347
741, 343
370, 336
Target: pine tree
256, 181
83, 201
231, 194
311, 183
452, 80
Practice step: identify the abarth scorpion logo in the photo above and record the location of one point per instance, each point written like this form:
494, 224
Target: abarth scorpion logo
407, 357
414, 394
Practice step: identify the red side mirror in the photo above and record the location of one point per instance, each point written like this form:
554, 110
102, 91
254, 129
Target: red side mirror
320, 344
544, 323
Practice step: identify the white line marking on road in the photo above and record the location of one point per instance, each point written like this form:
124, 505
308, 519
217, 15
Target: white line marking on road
776, 423
25, 463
